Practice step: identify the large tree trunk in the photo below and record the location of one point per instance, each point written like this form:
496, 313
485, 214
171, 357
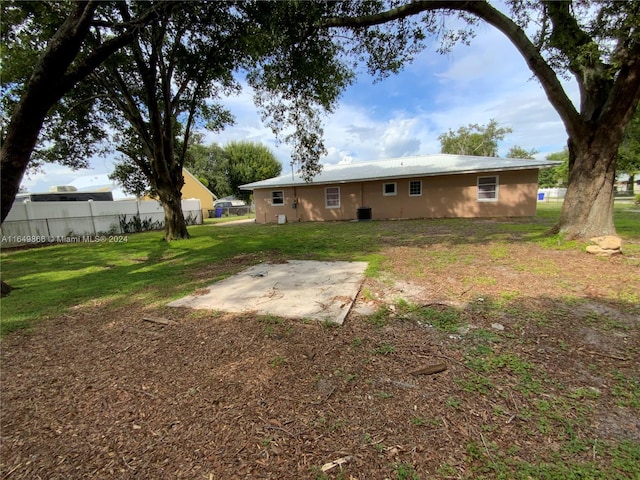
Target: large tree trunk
175, 227
42, 91
21, 138
587, 210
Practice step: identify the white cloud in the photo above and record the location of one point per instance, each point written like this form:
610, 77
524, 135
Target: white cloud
53, 174
399, 138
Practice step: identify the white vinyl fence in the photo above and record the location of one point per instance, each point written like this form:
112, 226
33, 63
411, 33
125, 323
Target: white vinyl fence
40, 222
548, 194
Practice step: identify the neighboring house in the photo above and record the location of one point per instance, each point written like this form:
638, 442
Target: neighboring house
66, 196
623, 186
428, 186
193, 188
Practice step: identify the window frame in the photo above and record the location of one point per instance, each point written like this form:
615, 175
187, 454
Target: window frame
419, 182
395, 189
273, 204
326, 197
496, 190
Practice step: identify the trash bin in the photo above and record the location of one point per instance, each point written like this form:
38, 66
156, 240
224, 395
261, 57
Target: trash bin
364, 213
541, 196
219, 211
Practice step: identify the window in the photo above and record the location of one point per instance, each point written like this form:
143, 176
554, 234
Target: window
389, 189
332, 197
488, 189
415, 188
277, 197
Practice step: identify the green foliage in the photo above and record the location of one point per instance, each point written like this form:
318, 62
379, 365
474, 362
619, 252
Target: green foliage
299, 57
249, 162
129, 176
595, 42
61, 108
380, 318
405, 471
384, 349
196, 61
453, 403
627, 391
518, 152
156, 91
474, 139
555, 176
136, 224
446, 319
300, 75
278, 361
210, 163
235, 164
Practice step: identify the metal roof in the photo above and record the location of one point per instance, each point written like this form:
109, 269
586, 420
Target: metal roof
404, 167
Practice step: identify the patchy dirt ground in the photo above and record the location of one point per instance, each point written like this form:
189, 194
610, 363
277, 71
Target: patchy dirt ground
541, 350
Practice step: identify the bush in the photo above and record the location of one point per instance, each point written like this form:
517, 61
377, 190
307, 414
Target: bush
136, 224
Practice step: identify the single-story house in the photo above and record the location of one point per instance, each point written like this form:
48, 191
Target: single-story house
426, 186
625, 184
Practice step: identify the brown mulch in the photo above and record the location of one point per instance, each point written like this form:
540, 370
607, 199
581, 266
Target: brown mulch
101, 393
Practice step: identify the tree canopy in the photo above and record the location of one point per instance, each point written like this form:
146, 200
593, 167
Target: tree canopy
249, 162
176, 57
518, 152
210, 163
48, 49
236, 163
557, 176
474, 139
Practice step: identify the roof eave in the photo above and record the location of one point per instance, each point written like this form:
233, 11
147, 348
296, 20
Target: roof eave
255, 185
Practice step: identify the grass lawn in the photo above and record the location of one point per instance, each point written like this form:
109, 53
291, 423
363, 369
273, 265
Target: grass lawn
538, 344
49, 280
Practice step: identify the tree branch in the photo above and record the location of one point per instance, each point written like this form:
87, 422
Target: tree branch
483, 10
537, 64
626, 85
100, 53
403, 11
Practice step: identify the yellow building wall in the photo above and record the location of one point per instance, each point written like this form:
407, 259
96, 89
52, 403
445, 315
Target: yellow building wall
192, 188
442, 196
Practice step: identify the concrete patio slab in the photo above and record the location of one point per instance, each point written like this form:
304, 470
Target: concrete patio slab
323, 291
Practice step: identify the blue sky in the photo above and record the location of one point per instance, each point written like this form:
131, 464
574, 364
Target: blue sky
402, 115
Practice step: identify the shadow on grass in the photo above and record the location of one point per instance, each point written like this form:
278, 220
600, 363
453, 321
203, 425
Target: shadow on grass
49, 280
